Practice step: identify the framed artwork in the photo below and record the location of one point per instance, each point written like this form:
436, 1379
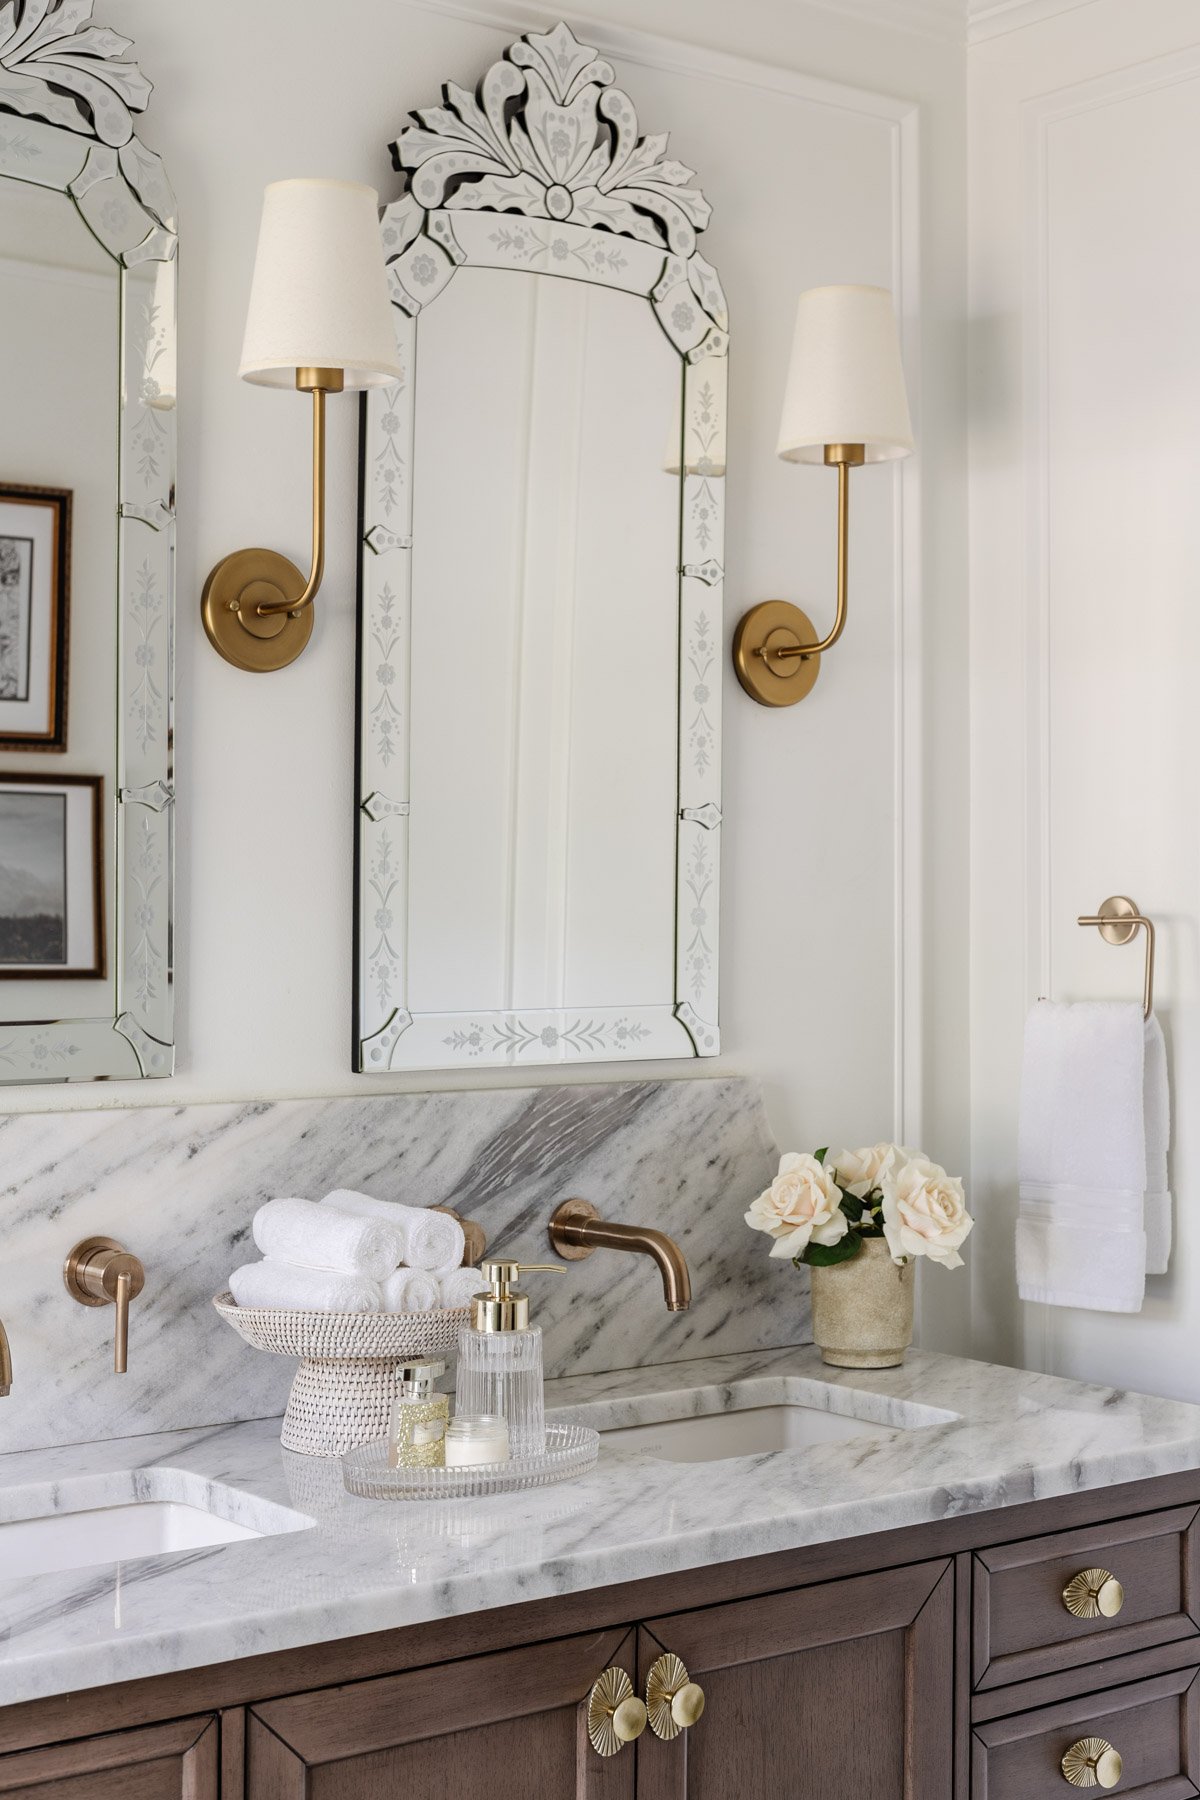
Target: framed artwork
35, 582
51, 877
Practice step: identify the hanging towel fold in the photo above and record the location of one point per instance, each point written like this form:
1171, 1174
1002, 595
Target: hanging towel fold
460, 1288
431, 1240
317, 1237
410, 1290
1158, 1142
1094, 1074
295, 1289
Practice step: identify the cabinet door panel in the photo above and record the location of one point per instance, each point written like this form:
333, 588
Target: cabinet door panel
508, 1726
827, 1693
162, 1762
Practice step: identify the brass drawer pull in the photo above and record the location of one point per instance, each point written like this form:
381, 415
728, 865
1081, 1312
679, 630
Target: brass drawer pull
615, 1715
1092, 1763
673, 1700
1094, 1594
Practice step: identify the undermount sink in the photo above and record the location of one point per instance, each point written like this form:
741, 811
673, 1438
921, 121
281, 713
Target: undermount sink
52, 1543
755, 1417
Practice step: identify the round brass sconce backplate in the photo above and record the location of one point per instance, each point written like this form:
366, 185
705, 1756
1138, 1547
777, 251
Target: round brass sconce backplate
237, 587
771, 626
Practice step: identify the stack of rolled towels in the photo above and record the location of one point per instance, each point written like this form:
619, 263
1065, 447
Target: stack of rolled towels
351, 1253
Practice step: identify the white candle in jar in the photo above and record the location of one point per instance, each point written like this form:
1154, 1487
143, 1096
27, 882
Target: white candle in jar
476, 1438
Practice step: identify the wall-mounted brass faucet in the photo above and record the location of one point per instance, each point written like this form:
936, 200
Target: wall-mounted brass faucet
100, 1272
5, 1363
576, 1230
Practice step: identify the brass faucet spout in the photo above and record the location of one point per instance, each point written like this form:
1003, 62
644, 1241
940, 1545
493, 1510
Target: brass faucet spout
576, 1229
5, 1363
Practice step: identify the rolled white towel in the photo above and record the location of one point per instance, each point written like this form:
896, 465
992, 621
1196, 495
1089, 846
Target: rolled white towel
432, 1240
315, 1237
296, 1289
410, 1290
460, 1288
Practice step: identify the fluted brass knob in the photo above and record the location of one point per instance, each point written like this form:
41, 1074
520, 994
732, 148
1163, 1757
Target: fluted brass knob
673, 1700
615, 1715
1094, 1594
1092, 1763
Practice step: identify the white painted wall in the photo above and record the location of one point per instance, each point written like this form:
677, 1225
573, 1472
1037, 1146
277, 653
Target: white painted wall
844, 904
1085, 546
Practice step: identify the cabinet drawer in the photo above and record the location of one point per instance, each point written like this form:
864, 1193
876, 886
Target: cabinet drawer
1023, 1626
1153, 1725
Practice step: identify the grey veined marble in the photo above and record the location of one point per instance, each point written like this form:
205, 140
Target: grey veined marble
942, 1438
179, 1187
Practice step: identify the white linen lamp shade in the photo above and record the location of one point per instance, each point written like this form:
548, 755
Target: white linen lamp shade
845, 383
319, 296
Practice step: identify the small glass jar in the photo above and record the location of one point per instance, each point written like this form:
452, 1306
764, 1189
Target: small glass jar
476, 1438
416, 1439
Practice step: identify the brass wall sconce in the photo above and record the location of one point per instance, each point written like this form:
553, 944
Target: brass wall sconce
320, 321
845, 405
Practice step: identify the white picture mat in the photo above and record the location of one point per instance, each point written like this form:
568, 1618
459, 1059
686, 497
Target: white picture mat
20, 519
80, 875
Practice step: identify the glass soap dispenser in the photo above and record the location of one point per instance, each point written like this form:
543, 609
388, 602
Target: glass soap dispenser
500, 1357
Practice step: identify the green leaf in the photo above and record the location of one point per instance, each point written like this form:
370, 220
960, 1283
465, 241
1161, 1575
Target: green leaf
852, 1206
823, 1256
820, 1155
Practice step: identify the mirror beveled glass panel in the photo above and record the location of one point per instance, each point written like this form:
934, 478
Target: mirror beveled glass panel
87, 497
540, 605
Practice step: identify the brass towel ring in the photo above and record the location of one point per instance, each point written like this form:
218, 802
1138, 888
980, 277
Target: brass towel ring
1118, 921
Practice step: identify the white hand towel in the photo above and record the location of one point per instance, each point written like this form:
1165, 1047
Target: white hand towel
1158, 1141
1081, 1240
295, 1289
432, 1240
410, 1290
460, 1287
315, 1237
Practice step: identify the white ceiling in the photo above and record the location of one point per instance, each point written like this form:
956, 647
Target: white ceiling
952, 20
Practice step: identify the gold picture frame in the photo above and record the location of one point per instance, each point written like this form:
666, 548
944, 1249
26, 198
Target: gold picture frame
35, 608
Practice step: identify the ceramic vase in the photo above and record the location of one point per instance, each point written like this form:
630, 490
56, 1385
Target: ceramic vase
862, 1310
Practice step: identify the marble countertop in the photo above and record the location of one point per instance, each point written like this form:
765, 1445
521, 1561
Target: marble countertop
969, 1437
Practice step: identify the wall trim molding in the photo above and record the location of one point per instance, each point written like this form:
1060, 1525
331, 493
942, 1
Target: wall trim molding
995, 18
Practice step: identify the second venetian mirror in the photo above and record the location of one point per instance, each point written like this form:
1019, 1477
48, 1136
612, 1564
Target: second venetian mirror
540, 609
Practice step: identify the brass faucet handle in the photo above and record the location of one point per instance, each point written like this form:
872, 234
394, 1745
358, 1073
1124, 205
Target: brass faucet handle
101, 1272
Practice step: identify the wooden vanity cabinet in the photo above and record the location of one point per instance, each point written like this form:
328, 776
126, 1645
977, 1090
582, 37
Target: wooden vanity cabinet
934, 1662
178, 1761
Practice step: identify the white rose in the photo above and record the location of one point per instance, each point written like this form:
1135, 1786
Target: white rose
801, 1205
924, 1212
858, 1171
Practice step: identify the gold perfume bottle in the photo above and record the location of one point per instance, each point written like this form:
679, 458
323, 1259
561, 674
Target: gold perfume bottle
417, 1439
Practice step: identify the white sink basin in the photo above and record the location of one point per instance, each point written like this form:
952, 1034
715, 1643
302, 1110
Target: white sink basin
749, 1433
159, 1512
109, 1534
755, 1416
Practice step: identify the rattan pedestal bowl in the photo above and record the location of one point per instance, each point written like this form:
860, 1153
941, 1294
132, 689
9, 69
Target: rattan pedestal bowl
343, 1392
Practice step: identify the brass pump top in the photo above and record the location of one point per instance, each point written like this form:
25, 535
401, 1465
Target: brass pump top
502, 1308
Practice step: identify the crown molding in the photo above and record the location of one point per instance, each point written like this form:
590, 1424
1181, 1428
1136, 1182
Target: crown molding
943, 19
993, 18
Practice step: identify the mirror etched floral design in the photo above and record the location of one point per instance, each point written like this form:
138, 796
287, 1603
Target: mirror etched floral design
69, 93
543, 172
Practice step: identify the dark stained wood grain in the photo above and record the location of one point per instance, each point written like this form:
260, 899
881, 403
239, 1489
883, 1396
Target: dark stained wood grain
233, 1753
507, 1725
1154, 1724
839, 1691
1022, 1626
163, 1762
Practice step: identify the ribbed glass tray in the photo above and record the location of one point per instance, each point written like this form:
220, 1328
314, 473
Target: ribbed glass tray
570, 1450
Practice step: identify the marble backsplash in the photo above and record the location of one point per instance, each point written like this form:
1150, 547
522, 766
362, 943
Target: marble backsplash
179, 1185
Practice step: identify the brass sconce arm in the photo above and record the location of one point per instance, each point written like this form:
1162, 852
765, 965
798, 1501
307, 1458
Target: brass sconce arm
256, 605
776, 652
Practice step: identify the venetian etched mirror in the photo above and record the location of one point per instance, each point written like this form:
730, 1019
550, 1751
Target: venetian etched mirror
87, 520
540, 598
